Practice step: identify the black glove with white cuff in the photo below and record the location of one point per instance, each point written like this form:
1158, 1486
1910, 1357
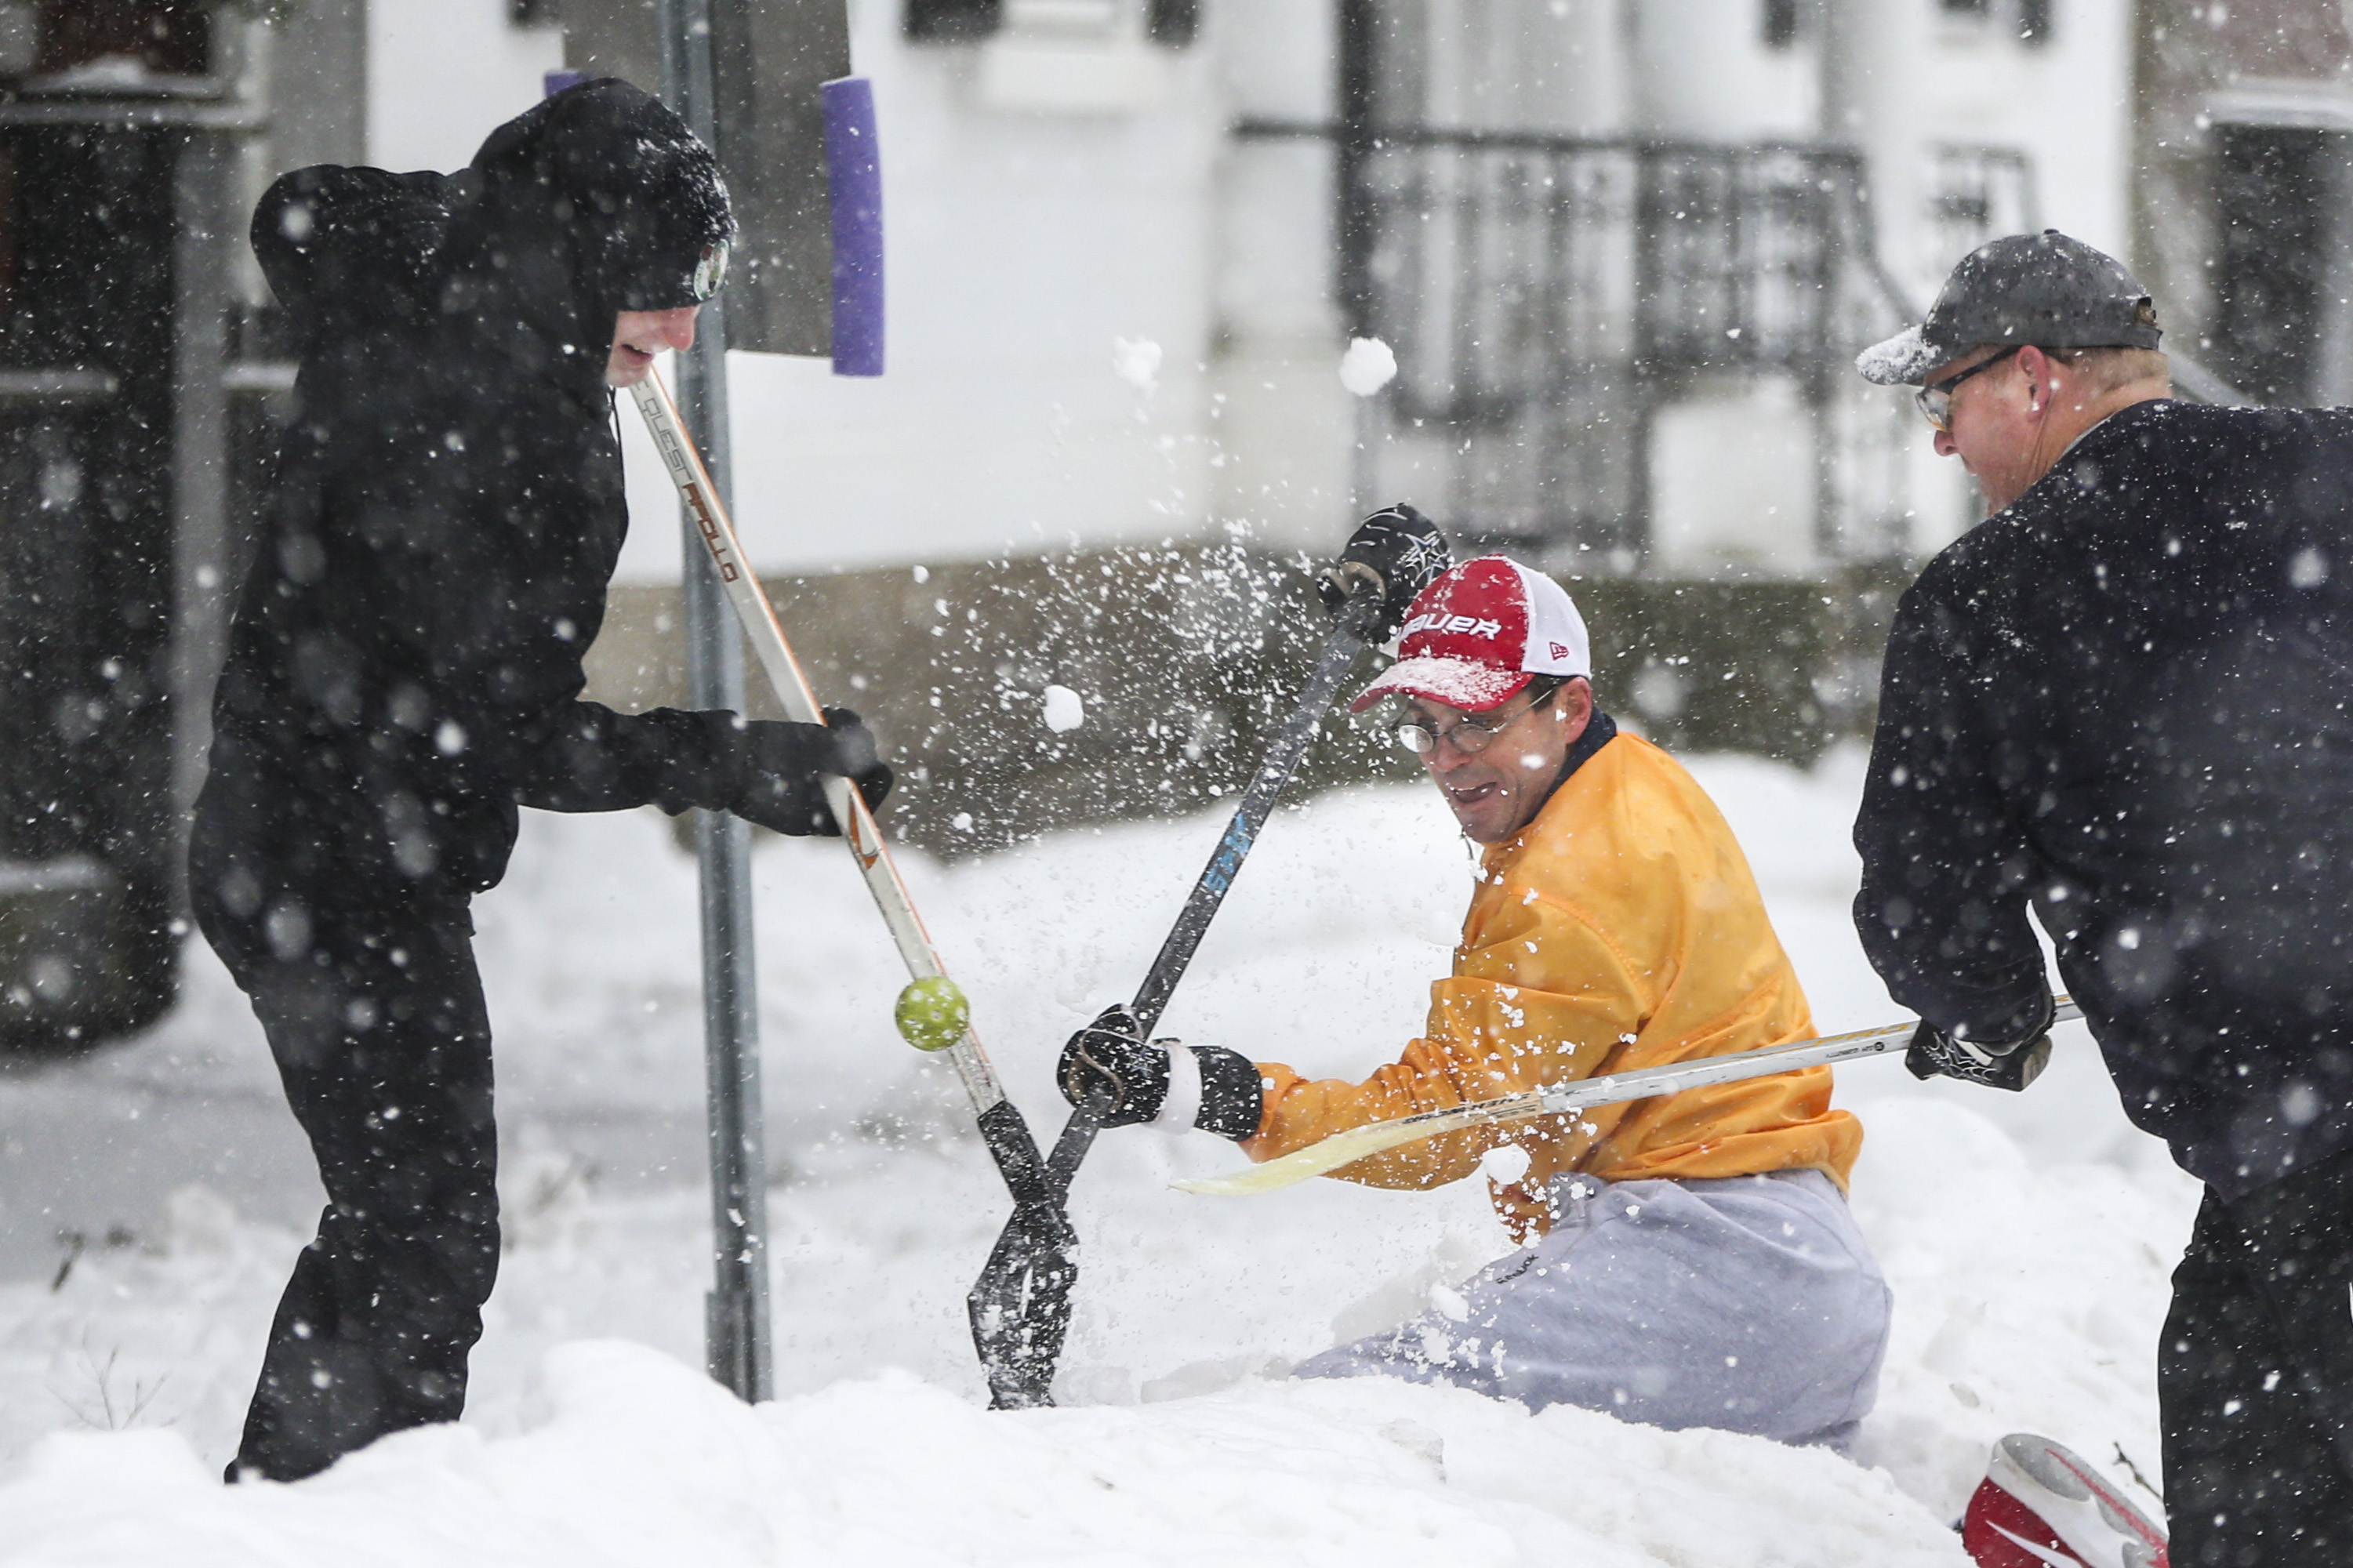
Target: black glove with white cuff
1162, 1081
2011, 1063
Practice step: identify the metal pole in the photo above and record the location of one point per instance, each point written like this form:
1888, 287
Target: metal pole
200, 536
739, 1345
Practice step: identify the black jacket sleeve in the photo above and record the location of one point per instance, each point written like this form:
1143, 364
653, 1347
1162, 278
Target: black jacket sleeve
492, 635
583, 756
510, 687
1947, 864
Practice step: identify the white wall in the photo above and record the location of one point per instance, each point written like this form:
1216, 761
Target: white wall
1702, 71
1280, 425
1023, 242
1526, 65
1021, 245
1731, 482
1732, 486
1915, 75
442, 74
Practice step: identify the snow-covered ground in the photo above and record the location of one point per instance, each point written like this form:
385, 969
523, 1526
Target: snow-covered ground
2028, 1239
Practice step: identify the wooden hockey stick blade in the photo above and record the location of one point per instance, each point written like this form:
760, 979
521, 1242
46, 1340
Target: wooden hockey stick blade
1352, 1145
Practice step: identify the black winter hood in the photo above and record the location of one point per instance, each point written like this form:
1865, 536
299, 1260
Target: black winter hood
637, 197
450, 504
594, 201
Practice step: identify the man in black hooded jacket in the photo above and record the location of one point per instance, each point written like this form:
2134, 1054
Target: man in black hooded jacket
2124, 698
404, 672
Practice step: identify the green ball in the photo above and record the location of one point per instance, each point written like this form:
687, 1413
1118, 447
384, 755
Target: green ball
931, 1013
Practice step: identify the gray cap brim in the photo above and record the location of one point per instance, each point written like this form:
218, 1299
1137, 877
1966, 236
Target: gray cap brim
1904, 360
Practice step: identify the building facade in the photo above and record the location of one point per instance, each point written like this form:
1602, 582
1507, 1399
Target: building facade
2243, 147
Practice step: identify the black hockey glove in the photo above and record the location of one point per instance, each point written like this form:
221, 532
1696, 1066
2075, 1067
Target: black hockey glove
1396, 551
786, 766
2011, 1064
1111, 1055
856, 757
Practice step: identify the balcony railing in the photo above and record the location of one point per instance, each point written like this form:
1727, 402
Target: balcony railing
1545, 294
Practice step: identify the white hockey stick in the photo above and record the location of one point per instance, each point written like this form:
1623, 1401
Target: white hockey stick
767, 638
1346, 1147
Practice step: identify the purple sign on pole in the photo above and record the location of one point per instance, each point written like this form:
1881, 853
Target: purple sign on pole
853, 165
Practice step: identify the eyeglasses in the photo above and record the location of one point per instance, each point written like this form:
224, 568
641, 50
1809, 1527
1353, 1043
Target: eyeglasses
1469, 736
1936, 402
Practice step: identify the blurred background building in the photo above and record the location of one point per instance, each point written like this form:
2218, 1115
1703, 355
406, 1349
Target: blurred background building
1624, 251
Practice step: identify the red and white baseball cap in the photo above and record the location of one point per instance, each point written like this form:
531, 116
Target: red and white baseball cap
1478, 633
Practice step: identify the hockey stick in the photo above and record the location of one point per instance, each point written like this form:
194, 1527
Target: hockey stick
1021, 1302
1002, 1127
1020, 1305
1346, 1147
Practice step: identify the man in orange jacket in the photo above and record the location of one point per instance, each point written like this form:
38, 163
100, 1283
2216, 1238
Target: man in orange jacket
1687, 1261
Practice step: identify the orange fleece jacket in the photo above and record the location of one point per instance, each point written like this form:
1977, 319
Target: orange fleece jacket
1621, 929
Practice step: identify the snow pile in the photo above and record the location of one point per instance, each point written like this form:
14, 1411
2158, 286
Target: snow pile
2024, 1301
642, 1460
2026, 1237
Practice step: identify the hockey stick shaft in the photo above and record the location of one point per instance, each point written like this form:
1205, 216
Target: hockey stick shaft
1339, 653
767, 635
1348, 1146
1020, 1305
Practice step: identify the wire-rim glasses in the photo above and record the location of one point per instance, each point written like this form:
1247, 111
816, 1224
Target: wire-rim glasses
1936, 402
1469, 736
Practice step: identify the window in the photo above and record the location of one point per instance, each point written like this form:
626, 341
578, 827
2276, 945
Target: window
1780, 28
952, 21
1174, 24
2279, 193
167, 37
1974, 194
2031, 18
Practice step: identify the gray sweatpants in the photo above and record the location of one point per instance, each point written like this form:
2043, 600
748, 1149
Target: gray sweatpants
1750, 1304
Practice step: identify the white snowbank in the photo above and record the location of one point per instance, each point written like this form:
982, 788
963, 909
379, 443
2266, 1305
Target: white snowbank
2028, 1239
643, 1461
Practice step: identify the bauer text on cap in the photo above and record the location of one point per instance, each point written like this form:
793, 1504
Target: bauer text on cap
1477, 635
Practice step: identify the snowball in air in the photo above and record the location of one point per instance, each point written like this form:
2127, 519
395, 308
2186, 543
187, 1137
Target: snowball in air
1367, 366
1136, 361
1064, 711
1505, 1164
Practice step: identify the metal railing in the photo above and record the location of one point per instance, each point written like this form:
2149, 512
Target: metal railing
1546, 295
1502, 266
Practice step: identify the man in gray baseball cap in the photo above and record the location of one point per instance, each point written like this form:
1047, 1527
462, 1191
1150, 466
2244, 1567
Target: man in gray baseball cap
2120, 701
2071, 333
